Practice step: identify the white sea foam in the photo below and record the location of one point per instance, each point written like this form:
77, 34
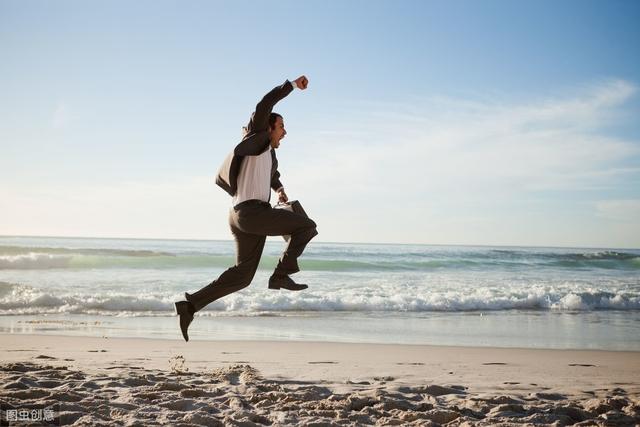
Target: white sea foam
24, 300
33, 261
597, 301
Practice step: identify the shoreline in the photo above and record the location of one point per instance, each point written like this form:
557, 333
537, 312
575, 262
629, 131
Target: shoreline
511, 329
282, 383
268, 341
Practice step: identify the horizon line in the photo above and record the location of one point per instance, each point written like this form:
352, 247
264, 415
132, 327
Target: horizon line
324, 242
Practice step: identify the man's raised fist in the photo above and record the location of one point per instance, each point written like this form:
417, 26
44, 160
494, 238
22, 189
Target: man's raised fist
302, 82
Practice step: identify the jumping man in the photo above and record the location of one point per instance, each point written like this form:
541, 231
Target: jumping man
248, 174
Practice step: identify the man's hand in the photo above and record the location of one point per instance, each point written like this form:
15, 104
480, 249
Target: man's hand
302, 82
282, 196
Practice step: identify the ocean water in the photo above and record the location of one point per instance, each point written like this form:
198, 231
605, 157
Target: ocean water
416, 294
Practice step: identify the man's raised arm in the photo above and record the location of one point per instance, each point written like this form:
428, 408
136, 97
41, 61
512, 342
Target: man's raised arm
260, 118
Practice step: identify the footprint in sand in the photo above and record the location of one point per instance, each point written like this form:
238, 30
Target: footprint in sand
16, 385
584, 365
357, 382
137, 382
25, 367
410, 363
323, 363
434, 390
124, 367
49, 383
549, 396
44, 356
97, 351
494, 363
510, 382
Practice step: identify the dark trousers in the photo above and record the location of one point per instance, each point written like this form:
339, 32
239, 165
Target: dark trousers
251, 222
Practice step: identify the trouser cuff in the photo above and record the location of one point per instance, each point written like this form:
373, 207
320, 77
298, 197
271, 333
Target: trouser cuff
281, 269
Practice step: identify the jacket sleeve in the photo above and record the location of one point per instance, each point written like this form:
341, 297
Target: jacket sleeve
260, 118
275, 181
253, 144
275, 175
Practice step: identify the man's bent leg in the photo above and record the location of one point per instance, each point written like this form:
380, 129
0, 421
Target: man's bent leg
265, 220
248, 252
288, 263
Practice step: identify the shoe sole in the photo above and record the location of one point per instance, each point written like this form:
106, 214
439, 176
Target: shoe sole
301, 289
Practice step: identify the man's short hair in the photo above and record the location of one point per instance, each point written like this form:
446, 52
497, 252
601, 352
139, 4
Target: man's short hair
272, 122
272, 119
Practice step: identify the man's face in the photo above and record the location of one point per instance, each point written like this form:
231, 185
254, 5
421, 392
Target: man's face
277, 132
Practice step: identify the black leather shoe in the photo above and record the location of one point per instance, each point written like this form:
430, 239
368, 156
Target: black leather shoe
185, 310
278, 281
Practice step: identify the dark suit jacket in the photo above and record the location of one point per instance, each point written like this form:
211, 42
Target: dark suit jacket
255, 142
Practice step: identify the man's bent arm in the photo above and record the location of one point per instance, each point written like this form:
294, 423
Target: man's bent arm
275, 182
260, 119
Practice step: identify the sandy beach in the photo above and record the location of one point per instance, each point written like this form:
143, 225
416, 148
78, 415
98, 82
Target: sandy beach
134, 381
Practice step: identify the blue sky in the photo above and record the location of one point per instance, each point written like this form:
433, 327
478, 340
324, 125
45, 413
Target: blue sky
460, 122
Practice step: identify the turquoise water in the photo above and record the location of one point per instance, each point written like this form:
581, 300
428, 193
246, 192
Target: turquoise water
453, 295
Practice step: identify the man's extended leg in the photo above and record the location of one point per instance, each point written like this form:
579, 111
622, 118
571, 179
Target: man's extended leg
248, 252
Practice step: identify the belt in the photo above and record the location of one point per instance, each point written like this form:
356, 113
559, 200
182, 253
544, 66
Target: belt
251, 202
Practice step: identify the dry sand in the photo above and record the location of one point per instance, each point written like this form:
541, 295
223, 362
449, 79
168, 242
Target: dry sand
127, 381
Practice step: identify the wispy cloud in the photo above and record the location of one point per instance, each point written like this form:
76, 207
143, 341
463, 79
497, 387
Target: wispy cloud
545, 144
453, 160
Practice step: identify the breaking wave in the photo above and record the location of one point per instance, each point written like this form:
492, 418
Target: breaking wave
21, 299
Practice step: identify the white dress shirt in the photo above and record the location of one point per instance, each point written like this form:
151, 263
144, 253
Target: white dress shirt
254, 179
